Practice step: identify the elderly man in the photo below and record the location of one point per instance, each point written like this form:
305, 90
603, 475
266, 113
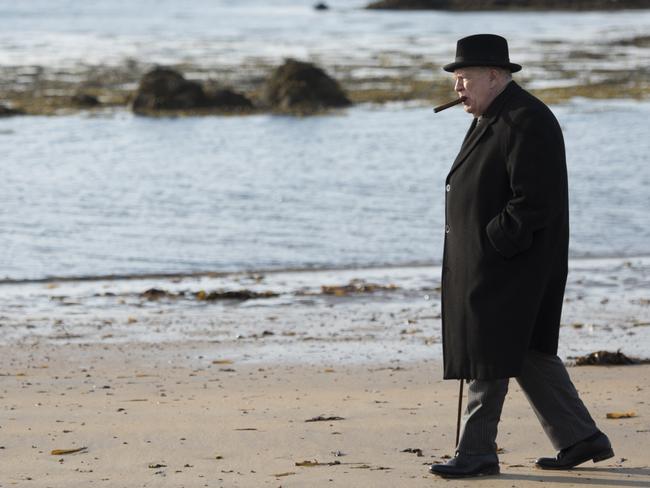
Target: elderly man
505, 266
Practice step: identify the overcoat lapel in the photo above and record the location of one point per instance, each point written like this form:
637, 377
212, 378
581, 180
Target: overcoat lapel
470, 143
476, 130
470, 130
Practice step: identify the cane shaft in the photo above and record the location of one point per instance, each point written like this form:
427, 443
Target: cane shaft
460, 410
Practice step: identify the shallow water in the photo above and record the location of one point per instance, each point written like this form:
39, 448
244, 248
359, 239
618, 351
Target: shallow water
90, 195
606, 308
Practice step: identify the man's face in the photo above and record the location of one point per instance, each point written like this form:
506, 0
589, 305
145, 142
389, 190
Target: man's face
477, 85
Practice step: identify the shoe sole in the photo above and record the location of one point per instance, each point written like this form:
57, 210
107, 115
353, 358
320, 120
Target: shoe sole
605, 455
488, 472
596, 459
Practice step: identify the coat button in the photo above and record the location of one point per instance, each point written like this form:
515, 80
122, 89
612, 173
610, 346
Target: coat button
448, 188
447, 229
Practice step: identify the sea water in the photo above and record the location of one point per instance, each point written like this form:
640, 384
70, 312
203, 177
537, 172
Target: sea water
108, 192
114, 193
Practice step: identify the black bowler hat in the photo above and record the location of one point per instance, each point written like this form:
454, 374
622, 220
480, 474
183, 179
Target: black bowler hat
482, 50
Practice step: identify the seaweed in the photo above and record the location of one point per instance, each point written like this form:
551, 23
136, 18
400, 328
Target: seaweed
607, 358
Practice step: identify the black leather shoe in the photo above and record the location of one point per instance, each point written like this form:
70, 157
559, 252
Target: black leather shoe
595, 448
465, 466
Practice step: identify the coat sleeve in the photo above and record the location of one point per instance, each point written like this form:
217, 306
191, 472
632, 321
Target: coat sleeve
536, 168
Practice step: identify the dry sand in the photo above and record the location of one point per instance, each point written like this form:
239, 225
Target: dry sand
170, 415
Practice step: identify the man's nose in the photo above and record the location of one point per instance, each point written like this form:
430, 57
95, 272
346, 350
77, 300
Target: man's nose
458, 85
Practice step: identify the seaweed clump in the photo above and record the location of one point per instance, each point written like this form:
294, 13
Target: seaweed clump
607, 358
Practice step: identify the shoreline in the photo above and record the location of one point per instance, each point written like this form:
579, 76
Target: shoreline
573, 261
350, 316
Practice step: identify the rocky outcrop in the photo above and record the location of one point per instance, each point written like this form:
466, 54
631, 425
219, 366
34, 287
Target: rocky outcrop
229, 100
84, 100
509, 4
637, 41
164, 90
7, 111
302, 87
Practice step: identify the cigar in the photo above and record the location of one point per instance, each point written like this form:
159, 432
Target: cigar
445, 106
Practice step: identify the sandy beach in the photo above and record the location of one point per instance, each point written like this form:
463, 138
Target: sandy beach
168, 415
178, 391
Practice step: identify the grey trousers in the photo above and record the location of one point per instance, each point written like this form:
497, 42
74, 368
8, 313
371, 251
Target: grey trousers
548, 388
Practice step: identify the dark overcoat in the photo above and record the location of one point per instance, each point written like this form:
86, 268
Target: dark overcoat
506, 240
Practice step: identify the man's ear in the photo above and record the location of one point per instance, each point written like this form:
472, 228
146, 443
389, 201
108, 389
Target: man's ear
495, 77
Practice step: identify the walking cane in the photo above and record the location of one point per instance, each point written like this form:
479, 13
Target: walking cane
460, 408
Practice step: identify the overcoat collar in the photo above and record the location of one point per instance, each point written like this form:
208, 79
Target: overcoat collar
478, 129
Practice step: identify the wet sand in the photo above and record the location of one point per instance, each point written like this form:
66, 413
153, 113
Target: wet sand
366, 315
173, 415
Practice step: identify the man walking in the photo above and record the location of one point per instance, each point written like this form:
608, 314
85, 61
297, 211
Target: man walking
505, 266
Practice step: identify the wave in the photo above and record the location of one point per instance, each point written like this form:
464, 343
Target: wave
591, 259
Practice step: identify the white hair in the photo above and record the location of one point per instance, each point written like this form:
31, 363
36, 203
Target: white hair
505, 73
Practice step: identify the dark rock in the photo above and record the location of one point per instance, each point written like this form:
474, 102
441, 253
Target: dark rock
155, 294
84, 100
302, 87
509, 4
230, 100
637, 41
321, 6
233, 295
7, 112
166, 89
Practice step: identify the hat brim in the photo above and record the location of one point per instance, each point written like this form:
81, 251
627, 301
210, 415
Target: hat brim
451, 67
